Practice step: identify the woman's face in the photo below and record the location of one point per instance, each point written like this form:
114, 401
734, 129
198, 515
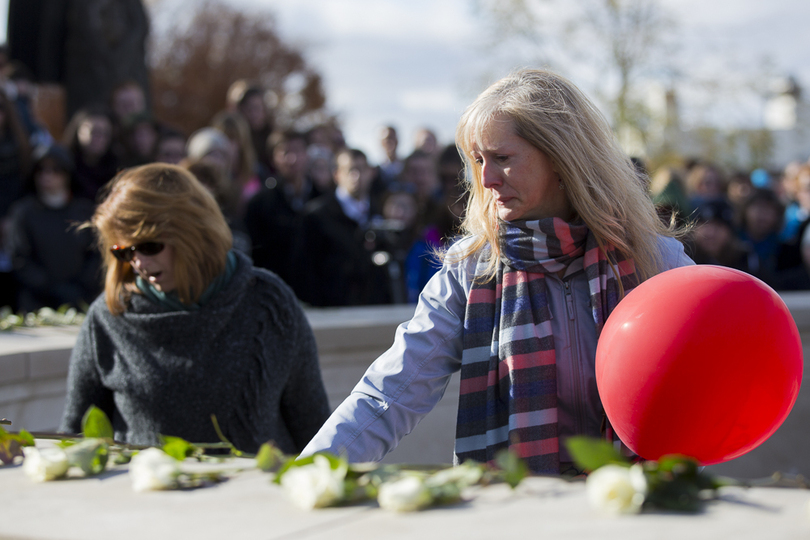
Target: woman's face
50, 178
713, 237
171, 150
157, 269
401, 207
254, 112
520, 177
762, 219
144, 137
95, 135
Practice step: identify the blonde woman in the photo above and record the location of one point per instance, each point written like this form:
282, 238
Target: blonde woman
188, 328
558, 228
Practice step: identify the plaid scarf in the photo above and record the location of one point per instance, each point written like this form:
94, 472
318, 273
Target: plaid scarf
508, 373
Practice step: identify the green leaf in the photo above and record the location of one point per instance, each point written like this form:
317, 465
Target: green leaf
11, 444
25, 438
176, 447
90, 455
95, 424
590, 453
514, 469
9, 449
122, 458
270, 458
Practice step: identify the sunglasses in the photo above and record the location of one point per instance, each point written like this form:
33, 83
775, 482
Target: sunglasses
125, 254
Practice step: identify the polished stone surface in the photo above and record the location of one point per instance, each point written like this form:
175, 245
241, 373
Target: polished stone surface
250, 506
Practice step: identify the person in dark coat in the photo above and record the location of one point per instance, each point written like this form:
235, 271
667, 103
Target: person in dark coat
188, 328
53, 262
89, 137
272, 216
336, 252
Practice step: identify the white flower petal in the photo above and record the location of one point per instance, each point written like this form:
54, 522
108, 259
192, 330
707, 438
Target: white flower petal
153, 469
406, 494
611, 490
42, 465
314, 486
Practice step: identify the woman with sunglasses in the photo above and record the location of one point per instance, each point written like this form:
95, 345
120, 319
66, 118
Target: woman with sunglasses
188, 329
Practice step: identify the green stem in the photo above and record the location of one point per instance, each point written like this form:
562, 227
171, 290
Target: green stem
222, 437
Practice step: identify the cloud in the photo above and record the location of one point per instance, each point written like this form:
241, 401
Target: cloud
427, 99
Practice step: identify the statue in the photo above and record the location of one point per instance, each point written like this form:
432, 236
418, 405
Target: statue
88, 46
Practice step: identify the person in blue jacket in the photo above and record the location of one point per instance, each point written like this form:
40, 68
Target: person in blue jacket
559, 227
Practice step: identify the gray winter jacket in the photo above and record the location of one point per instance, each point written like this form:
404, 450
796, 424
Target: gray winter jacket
247, 356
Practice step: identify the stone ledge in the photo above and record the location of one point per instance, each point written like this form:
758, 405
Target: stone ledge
33, 365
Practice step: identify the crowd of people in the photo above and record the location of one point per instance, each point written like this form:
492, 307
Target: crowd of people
754, 221
339, 229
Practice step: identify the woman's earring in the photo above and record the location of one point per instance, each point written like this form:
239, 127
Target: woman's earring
562, 186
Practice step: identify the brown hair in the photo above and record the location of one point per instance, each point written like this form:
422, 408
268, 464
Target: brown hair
162, 203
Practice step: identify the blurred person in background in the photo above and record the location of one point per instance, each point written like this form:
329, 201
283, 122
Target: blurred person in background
248, 100
425, 140
761, 218
216, 182
139, 135
126, 100
246, 172
15, 155
796, 183
21, 89
739, 189
714, 236
336, 250
15, 166
704, 182
212, 146
669, 195
391, 165
273, 214
321, 168
89, 137
419, 172
170, 146
53, 262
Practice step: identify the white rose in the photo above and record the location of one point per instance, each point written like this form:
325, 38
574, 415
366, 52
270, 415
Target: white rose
617, 490
90, 455
45, 464
406, 494
153, 469
314, 486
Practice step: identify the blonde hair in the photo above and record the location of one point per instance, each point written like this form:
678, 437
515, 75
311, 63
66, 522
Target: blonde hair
161, 203
236, 128
601, 182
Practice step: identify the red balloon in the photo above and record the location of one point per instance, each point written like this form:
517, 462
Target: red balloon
701, 360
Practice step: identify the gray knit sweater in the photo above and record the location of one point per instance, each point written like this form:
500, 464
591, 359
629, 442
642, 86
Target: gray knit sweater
248, 356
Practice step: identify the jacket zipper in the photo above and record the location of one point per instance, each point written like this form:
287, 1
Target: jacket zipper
575, 360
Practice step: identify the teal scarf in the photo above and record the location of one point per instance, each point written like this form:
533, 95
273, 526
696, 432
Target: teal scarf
170, 300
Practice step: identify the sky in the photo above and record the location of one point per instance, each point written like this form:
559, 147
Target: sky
421, 62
